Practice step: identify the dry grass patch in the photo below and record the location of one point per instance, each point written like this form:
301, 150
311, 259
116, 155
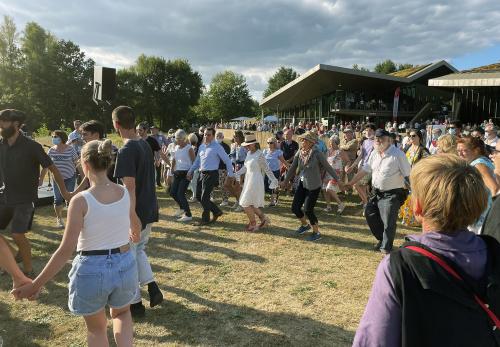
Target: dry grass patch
223, 286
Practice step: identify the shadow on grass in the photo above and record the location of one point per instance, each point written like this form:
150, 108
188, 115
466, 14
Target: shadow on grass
221, 324
11, 328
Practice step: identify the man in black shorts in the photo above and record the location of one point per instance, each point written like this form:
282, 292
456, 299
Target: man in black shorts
20, 161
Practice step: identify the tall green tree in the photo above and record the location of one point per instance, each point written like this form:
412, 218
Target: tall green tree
386, 67
160, 90
360, 68
10, 65
280, 79
228, 97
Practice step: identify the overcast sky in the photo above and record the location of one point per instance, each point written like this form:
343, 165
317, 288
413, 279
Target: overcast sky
256, 37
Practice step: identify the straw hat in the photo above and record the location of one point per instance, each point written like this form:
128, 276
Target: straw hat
250, 139
309, 136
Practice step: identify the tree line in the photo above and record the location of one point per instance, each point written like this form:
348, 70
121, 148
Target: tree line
52, 81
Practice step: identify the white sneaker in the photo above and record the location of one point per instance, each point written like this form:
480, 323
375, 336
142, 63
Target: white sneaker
238, 209
224, 203
59, 223
185, 219
178, 212
341, 208
328, 209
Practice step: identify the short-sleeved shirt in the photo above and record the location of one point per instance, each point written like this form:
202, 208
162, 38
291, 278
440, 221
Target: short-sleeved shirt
289, 149
20, 170
273, 158
388, 170
64, 161
135, 159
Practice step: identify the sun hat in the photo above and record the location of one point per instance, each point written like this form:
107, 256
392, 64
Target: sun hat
250, 139
309, 136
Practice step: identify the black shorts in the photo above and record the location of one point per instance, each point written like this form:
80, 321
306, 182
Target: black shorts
19, 216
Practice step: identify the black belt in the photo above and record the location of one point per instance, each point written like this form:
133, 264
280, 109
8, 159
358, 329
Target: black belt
209, 171
390, 191
121, 249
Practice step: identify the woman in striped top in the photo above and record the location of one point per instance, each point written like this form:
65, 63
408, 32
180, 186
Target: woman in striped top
65, 158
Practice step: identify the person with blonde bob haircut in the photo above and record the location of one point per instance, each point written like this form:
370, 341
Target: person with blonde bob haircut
415, 299
447, 144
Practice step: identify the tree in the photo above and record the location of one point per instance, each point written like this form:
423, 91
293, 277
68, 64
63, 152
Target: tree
160, 90
228, 97
385, 67
280, 78
10, 65
404, 66
359, 68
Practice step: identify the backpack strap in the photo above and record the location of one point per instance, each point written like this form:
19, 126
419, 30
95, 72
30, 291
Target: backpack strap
453, 273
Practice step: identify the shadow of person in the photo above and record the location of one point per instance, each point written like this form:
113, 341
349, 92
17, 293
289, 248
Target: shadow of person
222, 324
34, 332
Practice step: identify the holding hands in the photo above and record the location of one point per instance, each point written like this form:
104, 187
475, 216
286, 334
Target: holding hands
26, 291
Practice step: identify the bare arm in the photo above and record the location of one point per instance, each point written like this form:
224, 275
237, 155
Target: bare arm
42, 176
192, 155
135, 223
8, 263
76, 210
488, 178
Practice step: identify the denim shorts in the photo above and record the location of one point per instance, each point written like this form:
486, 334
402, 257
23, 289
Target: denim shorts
99, 280
69, 183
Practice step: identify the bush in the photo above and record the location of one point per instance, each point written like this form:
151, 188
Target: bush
43, 131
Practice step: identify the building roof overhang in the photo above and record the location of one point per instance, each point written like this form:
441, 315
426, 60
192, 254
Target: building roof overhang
468, 79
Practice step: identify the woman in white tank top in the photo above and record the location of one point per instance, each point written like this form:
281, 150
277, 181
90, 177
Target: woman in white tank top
104, 272
182, 160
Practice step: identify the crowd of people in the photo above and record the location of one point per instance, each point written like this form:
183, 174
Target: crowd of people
444, 178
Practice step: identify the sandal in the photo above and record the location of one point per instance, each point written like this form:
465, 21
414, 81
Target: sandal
265, 222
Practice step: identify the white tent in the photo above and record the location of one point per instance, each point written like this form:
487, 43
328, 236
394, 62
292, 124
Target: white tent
240, 118
271, 119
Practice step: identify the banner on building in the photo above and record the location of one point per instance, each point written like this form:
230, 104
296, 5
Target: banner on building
395, 106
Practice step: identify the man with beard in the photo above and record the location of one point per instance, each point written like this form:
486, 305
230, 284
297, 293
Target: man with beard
20, 161
390, 170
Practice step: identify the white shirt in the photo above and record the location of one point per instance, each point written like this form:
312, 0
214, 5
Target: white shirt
183, 161
492, 142
388, 169
105, 226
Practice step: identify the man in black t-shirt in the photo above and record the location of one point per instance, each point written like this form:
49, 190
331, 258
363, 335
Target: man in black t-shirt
135, 167
20, 161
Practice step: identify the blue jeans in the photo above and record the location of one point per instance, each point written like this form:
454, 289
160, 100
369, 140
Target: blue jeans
69, 183
143, 267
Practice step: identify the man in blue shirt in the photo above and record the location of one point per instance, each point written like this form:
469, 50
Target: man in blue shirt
210, 153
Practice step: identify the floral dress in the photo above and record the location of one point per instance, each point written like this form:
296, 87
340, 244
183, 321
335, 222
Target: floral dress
335, 161
406, 211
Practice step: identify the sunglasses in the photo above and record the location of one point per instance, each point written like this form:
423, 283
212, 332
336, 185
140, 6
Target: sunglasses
413, 135
271, 143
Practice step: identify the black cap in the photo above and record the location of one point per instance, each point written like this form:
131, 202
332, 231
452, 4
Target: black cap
382, 132
11, 115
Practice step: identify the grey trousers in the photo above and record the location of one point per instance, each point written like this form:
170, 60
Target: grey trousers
381, 214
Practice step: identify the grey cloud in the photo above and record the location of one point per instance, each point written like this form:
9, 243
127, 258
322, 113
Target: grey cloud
256, 37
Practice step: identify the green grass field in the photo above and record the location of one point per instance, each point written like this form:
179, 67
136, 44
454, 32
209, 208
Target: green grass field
223, 286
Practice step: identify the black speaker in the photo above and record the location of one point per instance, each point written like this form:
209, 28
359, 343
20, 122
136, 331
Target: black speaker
104, 83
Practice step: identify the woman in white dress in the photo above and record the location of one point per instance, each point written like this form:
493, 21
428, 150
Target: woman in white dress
252, 194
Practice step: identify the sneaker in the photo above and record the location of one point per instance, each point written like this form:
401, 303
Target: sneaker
314, 237
59, 223
224, 203
155, 294
341, 208
178, 213
235, 205
328, 209
185, 219
138, 310
238, 209
302, 229
192, 199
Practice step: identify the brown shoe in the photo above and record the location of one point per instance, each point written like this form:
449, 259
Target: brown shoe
216, 216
